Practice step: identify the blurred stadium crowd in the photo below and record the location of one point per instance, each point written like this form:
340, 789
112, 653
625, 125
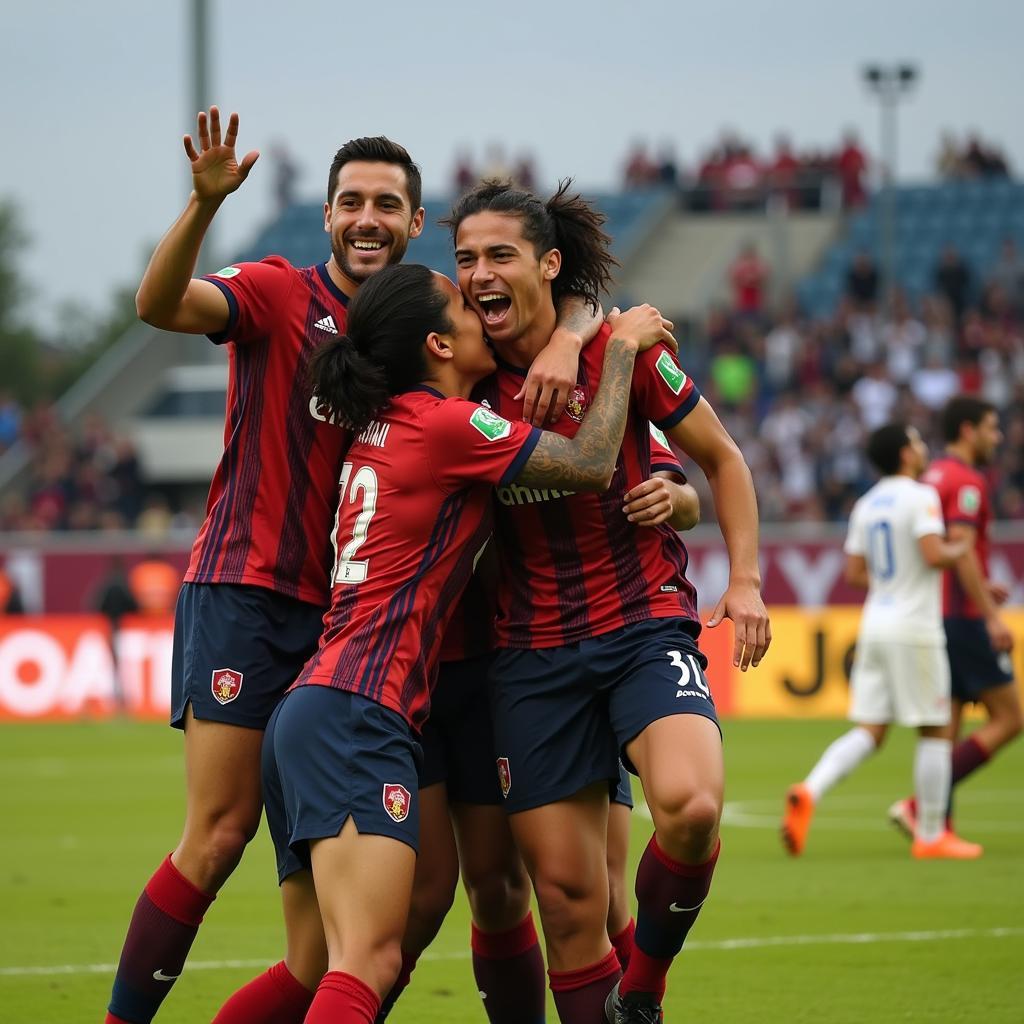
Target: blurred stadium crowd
798, 391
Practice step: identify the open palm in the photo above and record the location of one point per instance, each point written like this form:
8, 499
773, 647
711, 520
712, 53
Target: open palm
216, 172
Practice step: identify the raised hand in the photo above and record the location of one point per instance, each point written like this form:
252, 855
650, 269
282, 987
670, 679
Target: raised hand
216, 172
643, 325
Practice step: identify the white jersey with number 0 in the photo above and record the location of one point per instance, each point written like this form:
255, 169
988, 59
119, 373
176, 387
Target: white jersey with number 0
904, 599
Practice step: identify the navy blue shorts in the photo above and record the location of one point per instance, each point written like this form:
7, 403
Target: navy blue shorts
974, 665
622, 791
237, 649
564, 715
458, 740
329, 755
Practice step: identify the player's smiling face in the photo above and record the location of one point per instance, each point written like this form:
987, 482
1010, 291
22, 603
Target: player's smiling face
504, 279
370, 219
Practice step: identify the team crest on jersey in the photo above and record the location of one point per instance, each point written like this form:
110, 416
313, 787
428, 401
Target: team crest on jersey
969, 499
226, 684
670, 373
504, 775
397, 801
228, 272
490, 424
576, 406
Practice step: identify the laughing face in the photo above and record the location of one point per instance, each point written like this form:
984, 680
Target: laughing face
503, 278
370, 219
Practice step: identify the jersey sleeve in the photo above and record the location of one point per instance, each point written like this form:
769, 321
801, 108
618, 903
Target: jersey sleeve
469, 443
663, 459
662, 390
928, 513
855, 540
256, 293
964, 503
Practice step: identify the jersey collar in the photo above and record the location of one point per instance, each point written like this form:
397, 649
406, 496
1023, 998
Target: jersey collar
321, 269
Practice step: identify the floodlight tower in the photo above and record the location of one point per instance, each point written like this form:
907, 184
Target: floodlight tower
889, 83
199, 25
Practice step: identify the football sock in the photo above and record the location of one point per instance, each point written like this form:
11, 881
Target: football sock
580, 995
400, 985
839, 759
275, 997
509, 971
968, 756
932, 767
160, 934
669, 896
623, 943
343, 999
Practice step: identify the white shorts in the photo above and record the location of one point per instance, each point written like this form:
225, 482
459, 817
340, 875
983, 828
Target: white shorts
898, 682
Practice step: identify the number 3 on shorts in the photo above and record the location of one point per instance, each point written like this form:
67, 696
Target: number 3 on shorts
689, 671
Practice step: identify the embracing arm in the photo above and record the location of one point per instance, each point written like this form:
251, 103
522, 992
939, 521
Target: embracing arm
169, 297
701, 435
664, 498
586, 462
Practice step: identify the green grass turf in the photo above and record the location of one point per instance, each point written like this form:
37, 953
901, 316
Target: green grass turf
88, 810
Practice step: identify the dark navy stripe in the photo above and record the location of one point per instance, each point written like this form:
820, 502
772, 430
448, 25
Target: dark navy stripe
522, 457
676, 554
300, 436
219, 337
229, 459
239, 537
570, 582
515, 595
684, 410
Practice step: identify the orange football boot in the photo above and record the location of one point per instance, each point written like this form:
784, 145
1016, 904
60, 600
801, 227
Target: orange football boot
949, 846
797, 819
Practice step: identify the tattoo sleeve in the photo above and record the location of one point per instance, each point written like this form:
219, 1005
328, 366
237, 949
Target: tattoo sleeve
586, 462
577, 316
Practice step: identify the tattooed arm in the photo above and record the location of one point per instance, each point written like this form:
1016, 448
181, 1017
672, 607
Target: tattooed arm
586, 462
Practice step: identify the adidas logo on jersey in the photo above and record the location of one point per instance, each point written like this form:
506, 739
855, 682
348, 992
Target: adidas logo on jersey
327, 324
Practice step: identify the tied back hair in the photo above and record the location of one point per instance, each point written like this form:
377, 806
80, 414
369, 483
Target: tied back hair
566, 222
381, 354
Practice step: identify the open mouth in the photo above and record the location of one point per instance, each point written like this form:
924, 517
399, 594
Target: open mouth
367, 245
494, 307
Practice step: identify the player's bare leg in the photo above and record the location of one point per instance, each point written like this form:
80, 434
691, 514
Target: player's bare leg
563, 846
507, 962
282, 994
621, 925
685, 797
433, 891
364, 885
840, 758
222, 770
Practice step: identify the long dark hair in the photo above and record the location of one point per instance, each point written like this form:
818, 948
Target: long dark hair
381, 353
566, 222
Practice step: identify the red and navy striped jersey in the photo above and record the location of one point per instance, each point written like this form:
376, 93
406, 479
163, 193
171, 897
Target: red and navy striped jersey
414, 514
572, 565
273, 496
963, 491
470, 632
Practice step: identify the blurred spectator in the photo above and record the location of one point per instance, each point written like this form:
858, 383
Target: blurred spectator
10, 597
496, 166
641, 171
875, 396
114, 597
524, 173
862, 281
154, 584
10, 420
976, 159
464, 176
749, 277
953, 280
852, 165
903, 338
668, 166
784, 172
1007, 274
934, 383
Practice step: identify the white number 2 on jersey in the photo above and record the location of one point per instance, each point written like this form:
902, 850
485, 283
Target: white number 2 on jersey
347, 569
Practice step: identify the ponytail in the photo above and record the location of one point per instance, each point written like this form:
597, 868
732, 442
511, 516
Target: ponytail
350, 389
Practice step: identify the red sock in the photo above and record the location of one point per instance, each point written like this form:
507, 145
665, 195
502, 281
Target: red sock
580, 995
623, 943
400, 985
160, 934
343, 999
509, 971
275, 997
669, 897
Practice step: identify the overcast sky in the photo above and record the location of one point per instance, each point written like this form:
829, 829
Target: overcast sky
97, 95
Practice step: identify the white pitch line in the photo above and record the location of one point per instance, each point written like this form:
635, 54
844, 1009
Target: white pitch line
712, 946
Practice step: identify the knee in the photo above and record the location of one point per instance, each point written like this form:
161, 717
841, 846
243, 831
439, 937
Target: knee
215, 845
568, 906
384, 966
687, 827
499, 900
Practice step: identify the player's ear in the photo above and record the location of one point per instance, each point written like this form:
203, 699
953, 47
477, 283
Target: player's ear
440, 346
418, 218
327, 217
551, 264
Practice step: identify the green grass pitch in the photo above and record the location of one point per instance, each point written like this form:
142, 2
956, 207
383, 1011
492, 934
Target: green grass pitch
853, 931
